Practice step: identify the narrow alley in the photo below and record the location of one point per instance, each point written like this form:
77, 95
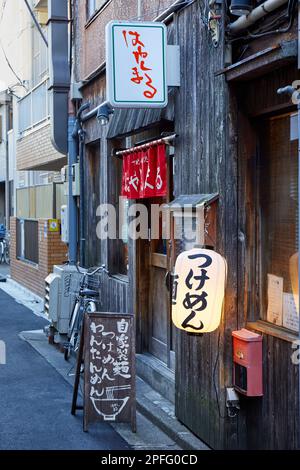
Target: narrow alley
35, 400
149, 228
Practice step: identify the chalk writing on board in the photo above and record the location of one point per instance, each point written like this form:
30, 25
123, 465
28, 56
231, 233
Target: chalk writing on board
110, 372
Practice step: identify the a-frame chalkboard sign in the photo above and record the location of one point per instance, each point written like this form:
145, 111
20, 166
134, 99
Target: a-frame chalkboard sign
107, 350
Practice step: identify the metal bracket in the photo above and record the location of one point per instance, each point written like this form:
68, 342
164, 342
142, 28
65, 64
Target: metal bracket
173, 65
214, 27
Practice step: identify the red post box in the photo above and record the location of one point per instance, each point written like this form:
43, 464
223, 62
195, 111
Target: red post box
247, 363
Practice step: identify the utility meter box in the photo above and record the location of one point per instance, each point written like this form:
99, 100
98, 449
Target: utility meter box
247, 363
61, 288
64, 179
64, 224
75, 179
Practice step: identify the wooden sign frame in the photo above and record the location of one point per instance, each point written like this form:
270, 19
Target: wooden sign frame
107, 349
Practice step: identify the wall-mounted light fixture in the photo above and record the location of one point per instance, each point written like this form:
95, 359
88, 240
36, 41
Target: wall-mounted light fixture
103, 113
241, 7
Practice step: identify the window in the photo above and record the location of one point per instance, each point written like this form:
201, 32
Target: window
27, 240
118, 249
278, 226
94, 6
40, 57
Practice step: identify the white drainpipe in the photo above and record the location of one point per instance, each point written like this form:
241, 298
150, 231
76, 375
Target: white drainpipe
262, 10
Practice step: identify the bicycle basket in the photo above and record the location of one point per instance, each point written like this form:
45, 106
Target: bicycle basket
93, 282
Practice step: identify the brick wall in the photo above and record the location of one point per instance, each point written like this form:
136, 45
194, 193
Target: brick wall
89, 58
51, 251
35, 151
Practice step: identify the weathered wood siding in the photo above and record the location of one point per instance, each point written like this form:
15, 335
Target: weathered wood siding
273, 421
209, 158
205, 162
270, 422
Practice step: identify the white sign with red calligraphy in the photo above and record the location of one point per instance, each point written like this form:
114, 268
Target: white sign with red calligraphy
136, 64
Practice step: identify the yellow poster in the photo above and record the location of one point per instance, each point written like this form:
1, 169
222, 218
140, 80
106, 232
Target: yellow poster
53, 225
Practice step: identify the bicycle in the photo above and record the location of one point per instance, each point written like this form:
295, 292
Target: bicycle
6, 251
4, 245
1, 250
86, 302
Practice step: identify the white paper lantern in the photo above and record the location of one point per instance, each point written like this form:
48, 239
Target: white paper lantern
198, 290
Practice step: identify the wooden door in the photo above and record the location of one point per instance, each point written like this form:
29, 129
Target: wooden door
91, 202
161, 337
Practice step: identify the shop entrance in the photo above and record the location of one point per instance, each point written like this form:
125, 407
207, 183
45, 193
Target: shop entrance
160, 330
155, 297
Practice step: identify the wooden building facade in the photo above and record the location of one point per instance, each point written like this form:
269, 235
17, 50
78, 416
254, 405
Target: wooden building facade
237, 139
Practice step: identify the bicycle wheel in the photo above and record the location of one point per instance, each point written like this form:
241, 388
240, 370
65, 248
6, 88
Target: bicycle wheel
72, 328
1, 252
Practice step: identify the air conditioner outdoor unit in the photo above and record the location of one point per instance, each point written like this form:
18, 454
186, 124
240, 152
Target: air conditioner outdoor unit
61, 288
52, 296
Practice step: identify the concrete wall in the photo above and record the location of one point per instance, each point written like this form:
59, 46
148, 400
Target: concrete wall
35, 151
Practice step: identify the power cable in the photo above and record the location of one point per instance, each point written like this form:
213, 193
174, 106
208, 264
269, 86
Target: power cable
11, 67
4, 53
156, 11
264, 29
214, 378
276, 31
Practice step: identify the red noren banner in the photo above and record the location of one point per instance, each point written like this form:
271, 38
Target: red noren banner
145, 173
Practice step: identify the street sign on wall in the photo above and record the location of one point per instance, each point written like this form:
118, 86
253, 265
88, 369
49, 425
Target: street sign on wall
136, 64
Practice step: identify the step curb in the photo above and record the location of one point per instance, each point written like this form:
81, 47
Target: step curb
168, 424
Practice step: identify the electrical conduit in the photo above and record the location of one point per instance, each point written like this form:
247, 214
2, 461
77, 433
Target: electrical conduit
245, 21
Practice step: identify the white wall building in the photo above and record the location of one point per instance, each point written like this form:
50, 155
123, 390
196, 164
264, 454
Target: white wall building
23, 73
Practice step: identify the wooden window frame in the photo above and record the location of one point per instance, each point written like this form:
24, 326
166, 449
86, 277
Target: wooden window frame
90, 17
254, 320
116, 251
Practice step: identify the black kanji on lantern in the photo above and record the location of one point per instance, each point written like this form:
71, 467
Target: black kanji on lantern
202, 255
196, 302
202, 278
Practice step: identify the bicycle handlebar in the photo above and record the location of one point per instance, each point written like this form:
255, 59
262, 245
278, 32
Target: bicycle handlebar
101, 268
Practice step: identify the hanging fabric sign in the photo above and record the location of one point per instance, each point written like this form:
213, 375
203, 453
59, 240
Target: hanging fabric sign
145, 173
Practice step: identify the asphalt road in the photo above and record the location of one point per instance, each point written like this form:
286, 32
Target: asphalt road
35, 400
